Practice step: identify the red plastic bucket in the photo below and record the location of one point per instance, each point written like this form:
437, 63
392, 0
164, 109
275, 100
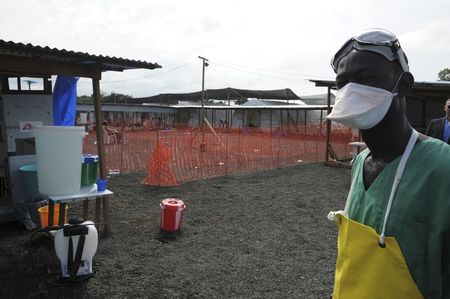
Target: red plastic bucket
172, 211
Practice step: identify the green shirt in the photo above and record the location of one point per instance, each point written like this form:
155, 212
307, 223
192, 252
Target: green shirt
420, 214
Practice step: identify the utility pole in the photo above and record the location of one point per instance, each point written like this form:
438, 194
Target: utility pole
202, 113
29, 83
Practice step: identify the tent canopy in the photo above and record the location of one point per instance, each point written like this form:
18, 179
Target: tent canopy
220, 94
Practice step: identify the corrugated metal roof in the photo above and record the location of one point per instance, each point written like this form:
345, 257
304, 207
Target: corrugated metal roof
237, 107
419, 89
106, 63
223, 94
324, 83
417, 84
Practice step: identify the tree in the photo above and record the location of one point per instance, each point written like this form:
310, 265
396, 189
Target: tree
111, 98
444, 75
116, 98
84, 100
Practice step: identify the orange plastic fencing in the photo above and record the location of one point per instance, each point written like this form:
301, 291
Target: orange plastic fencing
173, 156
159, 169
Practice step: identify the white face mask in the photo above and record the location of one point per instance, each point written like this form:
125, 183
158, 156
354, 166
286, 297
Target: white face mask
360, 106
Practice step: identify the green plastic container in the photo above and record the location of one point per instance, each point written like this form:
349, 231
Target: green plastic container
89, 168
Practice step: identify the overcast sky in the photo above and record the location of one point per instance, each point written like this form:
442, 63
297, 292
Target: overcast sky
250, 44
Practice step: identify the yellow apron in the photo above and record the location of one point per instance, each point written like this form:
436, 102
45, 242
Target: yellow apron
366, 270
370, 265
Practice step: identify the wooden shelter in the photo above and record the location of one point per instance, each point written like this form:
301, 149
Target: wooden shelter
25, 60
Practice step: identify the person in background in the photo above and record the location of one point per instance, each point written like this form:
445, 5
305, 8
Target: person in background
113, 132
394, 232
439, 128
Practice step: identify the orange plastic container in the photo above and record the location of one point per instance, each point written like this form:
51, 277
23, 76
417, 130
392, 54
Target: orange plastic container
43, 214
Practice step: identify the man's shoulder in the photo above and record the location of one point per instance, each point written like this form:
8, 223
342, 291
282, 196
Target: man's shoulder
436, 150
435, 127
437, 120
433, 144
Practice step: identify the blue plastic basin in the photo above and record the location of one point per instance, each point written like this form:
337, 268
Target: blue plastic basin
28, 174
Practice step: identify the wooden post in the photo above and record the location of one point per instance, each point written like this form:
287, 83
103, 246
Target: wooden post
229, 115
101, 154
188, 115
98, 207
270, 116
305, 121
203, 95
259, 119
85, 209
231, 118
327, 153
204, 65
281, 119
47, 85
99, 126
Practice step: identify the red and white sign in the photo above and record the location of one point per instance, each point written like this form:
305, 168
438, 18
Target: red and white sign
26, 126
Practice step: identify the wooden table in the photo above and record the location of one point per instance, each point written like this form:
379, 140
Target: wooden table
85, 195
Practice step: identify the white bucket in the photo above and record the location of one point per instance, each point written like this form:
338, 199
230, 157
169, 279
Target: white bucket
58, 155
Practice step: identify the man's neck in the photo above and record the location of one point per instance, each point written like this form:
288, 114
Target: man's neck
387, 141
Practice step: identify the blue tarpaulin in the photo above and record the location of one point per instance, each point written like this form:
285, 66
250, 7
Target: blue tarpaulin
65, 101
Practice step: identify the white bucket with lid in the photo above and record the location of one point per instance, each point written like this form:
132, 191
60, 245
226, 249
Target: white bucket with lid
58, 152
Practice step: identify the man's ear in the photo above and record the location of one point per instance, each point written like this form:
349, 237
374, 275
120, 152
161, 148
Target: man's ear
405, 84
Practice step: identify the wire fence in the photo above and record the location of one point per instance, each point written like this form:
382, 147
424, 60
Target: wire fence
179, 155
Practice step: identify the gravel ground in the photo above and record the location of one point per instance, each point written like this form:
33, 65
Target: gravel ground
259, 235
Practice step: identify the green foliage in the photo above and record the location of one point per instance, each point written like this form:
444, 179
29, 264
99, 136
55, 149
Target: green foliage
116, 98
111, 98
85, 100
444, 75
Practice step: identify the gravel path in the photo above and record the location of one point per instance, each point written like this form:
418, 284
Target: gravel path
259, 235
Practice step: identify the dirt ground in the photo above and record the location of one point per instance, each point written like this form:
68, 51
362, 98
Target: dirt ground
259, 235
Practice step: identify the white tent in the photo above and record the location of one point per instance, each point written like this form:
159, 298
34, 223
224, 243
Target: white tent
268, 115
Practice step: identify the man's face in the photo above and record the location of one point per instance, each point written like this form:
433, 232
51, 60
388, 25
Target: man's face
367, 68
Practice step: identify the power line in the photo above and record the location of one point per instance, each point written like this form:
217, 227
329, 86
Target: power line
242, 67
217, 72
259, 74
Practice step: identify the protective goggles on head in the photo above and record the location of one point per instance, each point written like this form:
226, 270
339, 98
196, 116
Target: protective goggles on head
373, 40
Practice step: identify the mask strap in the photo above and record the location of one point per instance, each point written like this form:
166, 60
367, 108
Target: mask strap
394, 90
402, 60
